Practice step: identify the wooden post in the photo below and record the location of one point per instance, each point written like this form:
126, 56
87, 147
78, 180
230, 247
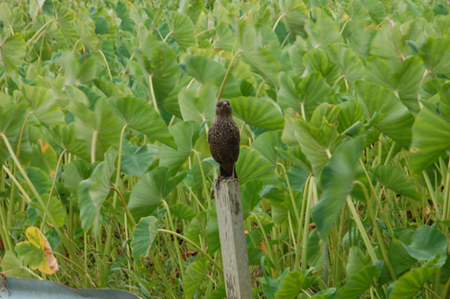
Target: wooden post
232, 239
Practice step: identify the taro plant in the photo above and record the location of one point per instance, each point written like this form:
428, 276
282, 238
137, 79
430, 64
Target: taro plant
344, 113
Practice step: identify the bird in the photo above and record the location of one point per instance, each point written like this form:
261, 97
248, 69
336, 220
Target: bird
224, 139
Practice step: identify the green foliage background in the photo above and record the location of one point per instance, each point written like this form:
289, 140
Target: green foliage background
344, 112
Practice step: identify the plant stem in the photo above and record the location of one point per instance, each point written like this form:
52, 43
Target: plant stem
222, 87
152, 92
311, 194
66, 242
119, 164
158, 267
39, 32
125, 206
107, 65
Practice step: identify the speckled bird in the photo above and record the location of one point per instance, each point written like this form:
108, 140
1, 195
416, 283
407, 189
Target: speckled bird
224, 139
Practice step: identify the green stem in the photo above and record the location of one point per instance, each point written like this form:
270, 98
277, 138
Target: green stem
119, 164
377, 231
206, 255
204, 180
432, 194
269, 247
222, 87
52, 188
175, 242
152, 92
39, 32
125, 206
93, 146
362, 230
311, 194
158, 267
107, 65
62, 236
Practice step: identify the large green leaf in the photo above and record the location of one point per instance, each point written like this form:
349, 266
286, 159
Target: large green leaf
12, 117
250, 196
389, 45
304, 95
151, 190
358, 283
398, 122
42, 104
93, 192
185, 134
258, 112
140, 116
347, 60
292, 286
337, 183
412, 282
444, 104
182, 29
136, 160
266, 144
75, 172
160, 66
426, 242
251, 165
295, 15
204, 69
195, 273
143, 236
55, 207
199, 106
395, 179
323, 32
12, 52
435, 55
100, 126
430, 139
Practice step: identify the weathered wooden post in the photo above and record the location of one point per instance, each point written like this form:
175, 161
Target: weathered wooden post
232, 239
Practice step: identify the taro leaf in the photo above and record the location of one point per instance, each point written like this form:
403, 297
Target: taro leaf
212, 233
412, 282
12, 19
295, 15
426, 242
303, 96
337, 183
44, 157
182, 29
296, 52
270, 286
64, 17
151, 190
55, 207
358, 283
251, 165
323, 32
93, 192
250, 196
398, 122
42, 104
77, 73
349, 114
37, 252
317, 144
182, 211
357, 260
101, 123
347, 60
317, 60
160, 65
140, 116
12, 117
359, 36
224, 38
10, 261
401, 262
220, 292
266, 144
204, 69
325, 294
444, 104
435, 55
260, 59
402, 81
185, 135
38, 177
375, 9
123, 14
199, 106
389, 45
108, 88
292, 286
75, 172
395, 179
87, 35
12, 52
136, 161
297, 177
258, 112
430, 139
143, 236
65, 136
195, 273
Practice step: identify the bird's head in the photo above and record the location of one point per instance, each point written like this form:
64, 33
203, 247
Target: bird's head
223, 108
